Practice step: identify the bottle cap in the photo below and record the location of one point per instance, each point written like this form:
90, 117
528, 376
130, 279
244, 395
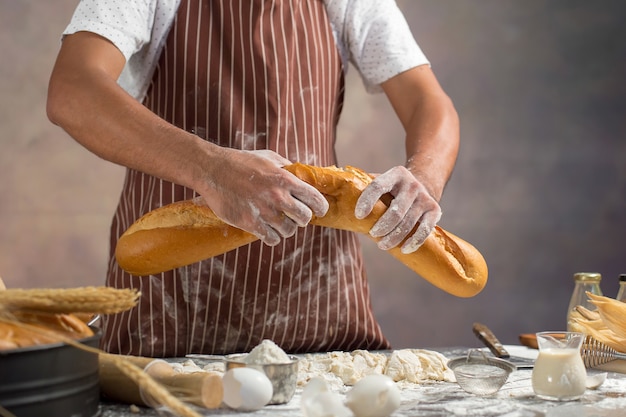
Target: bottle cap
587, 276
622, 277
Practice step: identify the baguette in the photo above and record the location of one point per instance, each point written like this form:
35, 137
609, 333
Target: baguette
188, 231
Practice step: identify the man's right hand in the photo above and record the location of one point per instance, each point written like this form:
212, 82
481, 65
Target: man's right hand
251, 191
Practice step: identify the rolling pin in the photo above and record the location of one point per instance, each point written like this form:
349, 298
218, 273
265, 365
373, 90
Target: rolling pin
203, 389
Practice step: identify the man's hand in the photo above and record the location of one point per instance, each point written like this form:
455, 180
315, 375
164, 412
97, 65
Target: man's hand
411, 204
251, 191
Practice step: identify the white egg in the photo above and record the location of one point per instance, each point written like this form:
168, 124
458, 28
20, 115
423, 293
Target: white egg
246, 389
373, 396
318, 401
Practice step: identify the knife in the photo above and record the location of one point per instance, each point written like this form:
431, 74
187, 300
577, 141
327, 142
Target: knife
490, 340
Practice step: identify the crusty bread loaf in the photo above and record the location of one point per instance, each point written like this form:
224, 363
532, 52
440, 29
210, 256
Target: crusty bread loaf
188, 231
40, 328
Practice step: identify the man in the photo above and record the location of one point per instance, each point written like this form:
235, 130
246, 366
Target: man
212, 98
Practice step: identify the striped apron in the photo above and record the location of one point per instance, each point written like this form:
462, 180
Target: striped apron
248, 75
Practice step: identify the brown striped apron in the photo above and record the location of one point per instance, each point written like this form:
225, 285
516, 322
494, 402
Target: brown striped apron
248, 75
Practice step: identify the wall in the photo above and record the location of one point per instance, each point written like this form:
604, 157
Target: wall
539, 187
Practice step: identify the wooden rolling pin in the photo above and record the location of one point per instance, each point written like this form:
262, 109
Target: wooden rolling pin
203, 389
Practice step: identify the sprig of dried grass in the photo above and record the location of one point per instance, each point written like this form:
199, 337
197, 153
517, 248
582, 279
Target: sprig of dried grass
103, 300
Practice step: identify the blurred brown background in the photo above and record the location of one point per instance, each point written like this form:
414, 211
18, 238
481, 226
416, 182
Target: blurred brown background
539, 187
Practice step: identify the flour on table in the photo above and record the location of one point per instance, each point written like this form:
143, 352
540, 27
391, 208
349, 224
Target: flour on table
405, 366
267, 352
343, 369
187, 367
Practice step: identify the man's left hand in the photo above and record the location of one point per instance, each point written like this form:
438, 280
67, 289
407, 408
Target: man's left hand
412, 204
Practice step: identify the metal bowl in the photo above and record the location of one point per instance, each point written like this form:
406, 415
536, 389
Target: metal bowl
481, 375
52, 379
283, 376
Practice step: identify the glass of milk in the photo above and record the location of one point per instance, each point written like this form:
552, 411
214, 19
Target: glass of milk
559, 373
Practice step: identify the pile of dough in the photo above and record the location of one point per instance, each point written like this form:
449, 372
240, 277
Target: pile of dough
405, 366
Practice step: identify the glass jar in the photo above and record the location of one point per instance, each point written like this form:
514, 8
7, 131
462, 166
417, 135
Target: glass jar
559, 373
621, 293
583, 282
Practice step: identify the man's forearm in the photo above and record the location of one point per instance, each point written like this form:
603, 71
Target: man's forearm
86, 101
431, 124
432, 143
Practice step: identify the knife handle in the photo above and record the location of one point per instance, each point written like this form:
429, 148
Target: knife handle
490, 340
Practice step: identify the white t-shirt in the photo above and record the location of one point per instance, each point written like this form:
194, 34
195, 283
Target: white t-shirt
373, 35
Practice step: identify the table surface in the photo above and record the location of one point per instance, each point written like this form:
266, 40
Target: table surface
439, 399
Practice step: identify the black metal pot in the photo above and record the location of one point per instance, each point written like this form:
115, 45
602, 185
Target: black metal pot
50, 380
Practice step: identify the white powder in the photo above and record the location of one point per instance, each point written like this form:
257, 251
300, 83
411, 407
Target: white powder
266, 352
405, 366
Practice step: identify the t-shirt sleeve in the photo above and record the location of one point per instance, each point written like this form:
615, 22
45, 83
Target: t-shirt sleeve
126, 23
138, 28
379, 41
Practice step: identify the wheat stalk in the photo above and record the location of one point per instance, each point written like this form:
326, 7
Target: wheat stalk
104, 300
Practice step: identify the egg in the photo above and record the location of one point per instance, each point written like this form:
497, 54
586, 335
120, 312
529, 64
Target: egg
373, 396
318, 401
246, 389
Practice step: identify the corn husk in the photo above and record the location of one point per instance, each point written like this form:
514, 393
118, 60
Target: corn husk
612, 312
607, 324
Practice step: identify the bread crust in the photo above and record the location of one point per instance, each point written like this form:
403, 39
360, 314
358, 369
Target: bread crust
40, 328
188, 231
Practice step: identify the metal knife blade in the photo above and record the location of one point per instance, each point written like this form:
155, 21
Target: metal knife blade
486, 336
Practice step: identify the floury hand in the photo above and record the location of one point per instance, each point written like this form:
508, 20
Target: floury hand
251, 191
411, 206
